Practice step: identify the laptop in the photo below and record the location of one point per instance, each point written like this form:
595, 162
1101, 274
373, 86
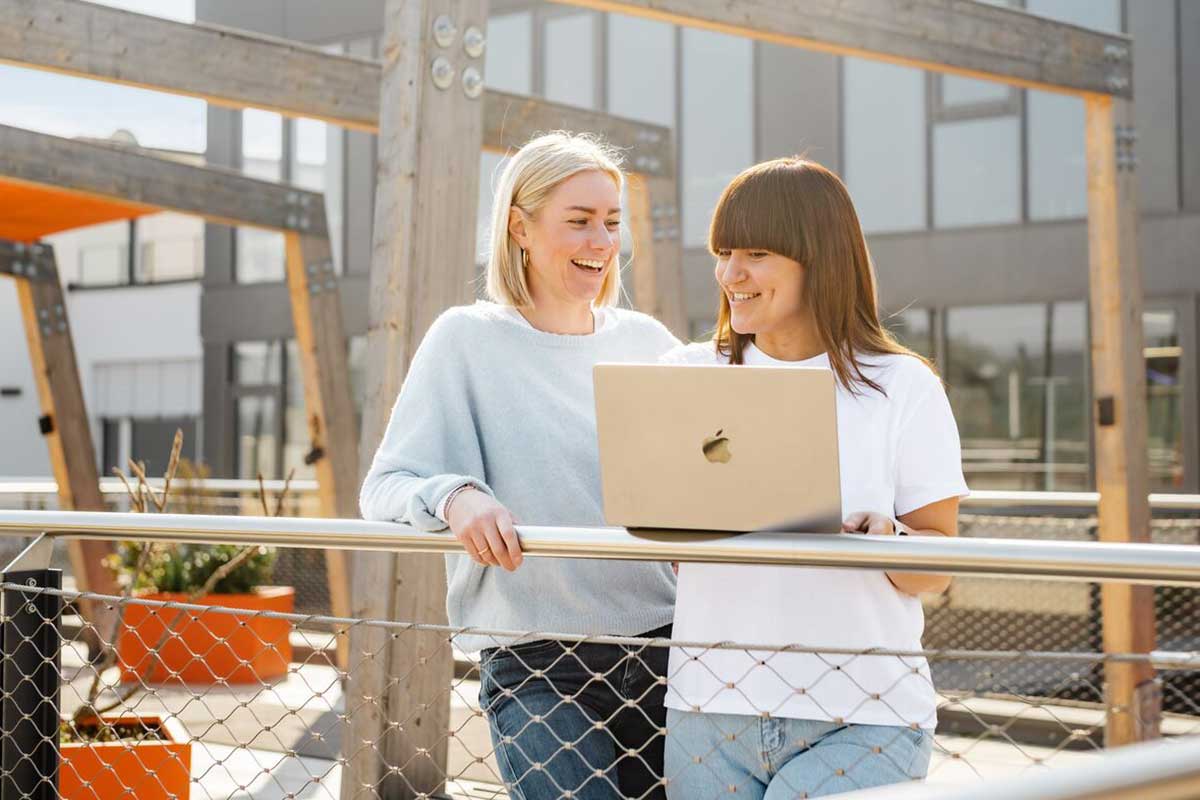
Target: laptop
714, 448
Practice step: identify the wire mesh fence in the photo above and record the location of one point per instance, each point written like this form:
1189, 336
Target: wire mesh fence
212, 701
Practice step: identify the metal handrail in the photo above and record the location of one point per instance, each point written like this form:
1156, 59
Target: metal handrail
981, 498
1160, 770
1156, 564
114, 485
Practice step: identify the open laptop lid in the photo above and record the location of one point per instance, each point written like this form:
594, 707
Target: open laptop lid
718, 449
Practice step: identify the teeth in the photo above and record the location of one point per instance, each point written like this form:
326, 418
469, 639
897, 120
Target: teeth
589, 263
738, 296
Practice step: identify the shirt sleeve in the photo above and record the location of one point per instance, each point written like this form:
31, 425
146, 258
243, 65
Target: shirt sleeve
430, 447
928, 457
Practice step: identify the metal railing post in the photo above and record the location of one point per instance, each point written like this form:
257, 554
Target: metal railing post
29, 706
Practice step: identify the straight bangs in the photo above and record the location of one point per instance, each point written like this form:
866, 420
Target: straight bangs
754, 213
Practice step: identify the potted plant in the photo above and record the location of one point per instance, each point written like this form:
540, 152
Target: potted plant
167, 645
147, 757
104, 755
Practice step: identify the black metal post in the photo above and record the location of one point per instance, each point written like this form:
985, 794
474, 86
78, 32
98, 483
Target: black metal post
29, 707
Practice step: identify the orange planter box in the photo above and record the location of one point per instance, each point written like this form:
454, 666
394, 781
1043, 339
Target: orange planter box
207, 647
145, 770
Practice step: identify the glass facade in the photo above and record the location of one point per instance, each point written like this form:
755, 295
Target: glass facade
1164, 399
1056, 168
715, 65
259, 253
569, 59
1016, 377
508, 59
884, 144
975, 176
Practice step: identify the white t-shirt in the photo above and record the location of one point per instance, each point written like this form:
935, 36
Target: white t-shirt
898, 453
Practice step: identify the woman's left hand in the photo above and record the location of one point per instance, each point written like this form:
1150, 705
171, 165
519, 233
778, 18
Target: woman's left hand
869, 522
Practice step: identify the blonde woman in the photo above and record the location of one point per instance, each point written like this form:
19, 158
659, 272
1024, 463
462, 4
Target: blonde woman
495, 423
796, 288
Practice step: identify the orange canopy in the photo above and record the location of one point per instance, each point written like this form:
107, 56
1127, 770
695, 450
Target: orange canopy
29, 211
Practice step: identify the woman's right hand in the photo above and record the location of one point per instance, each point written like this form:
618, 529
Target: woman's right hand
485, 529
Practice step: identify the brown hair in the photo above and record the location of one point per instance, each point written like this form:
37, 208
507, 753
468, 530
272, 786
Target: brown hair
799, 209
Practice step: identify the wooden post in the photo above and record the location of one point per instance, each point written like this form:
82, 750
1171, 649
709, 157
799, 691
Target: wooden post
1119, 391
328, 401
657, 254
64, 421
423, 261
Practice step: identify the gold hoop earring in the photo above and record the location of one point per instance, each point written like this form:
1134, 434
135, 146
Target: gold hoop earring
525, 258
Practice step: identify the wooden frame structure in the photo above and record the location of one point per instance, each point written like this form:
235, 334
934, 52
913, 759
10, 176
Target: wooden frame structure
127, 182
425, 124
432, 119
237, 69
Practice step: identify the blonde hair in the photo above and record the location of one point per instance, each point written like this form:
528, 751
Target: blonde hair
532, 173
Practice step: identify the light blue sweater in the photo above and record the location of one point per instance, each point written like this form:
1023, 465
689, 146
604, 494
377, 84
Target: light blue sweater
492, 401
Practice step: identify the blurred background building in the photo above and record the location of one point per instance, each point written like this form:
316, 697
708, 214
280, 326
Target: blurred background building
972, 194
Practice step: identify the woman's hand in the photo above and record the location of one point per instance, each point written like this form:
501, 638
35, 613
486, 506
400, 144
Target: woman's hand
936, 519
485, 529
869, 522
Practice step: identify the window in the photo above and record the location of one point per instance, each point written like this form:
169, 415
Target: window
508, 59
569, 59
641, 69
1016, 376
257, 436
1057, 165
317, 163
260, 254
885, 130
1164, 399
913, 328
718, 85
490, 167
977, 172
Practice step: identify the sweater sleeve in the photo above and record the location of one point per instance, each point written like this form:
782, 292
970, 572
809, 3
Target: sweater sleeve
431, 446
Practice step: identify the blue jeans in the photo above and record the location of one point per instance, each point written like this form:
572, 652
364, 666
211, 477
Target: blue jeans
771, 758
584, 721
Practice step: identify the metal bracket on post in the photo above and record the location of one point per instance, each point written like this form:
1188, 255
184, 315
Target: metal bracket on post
29, 707
34, 557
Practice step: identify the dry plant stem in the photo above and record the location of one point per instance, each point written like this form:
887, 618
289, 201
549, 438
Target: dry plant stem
89, 707
262, 495
139, 468
287, 484
133, 497
172, 465
110, 657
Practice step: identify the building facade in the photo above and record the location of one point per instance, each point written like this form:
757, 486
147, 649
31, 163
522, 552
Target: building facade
972, 195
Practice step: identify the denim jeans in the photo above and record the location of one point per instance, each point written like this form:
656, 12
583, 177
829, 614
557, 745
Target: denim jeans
771, 758
583, 721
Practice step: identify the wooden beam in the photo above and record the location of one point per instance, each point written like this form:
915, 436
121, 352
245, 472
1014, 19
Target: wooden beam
657, 251
220, 65
239, 69
328, 401
64, 422
510, 120
129, 174
958, 37
423, 262
1119, 391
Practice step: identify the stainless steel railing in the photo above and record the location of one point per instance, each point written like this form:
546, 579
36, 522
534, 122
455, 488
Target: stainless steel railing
977, 499
1157, 564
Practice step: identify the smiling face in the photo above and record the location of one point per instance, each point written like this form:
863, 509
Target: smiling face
765, 290
572, 240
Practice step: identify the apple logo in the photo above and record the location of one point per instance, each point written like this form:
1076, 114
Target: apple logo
716, 448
